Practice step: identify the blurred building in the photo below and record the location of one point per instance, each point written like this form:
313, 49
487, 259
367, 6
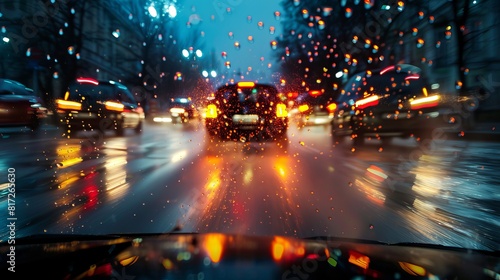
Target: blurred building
433, 44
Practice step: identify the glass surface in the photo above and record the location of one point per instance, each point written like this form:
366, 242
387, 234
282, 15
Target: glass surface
425, 170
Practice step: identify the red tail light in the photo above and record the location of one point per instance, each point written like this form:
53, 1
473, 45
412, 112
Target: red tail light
367, 102
315, 92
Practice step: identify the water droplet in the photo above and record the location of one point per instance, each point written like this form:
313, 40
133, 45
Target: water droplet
371, 226
274, 44
277, 15
350, 184
348, 12
302, 143
329, 218
317, 210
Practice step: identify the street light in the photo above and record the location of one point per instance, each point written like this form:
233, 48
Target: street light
187, 53
172, 11
152, 11
166, 8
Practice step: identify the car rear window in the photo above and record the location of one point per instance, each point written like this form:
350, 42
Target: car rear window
258, 93
394, 84
90, 92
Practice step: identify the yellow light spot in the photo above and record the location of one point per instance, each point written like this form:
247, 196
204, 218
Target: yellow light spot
214, 246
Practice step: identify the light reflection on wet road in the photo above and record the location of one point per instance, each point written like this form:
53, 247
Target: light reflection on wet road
172, 177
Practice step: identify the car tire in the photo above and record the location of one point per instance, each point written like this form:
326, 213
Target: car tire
423, 137
211, 132
35, 123
358, 140
119, 129
138, 128
336, 139
385, 141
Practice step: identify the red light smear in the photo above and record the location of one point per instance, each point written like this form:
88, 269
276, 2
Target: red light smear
390, 68
88, 81
413, 77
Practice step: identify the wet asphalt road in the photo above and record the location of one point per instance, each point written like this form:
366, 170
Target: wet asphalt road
171, 177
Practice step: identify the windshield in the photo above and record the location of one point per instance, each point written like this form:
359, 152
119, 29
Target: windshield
405, 148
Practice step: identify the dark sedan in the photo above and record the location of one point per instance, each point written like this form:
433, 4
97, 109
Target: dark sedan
98, 106
395, 101
182, 110
314, 107
248, 110
19, 106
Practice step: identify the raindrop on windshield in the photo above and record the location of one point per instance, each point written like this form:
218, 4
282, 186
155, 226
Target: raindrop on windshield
277, 15
348, 12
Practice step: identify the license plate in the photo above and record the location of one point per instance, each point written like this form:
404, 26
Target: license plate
245, 119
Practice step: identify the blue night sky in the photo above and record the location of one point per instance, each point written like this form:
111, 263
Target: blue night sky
211, 25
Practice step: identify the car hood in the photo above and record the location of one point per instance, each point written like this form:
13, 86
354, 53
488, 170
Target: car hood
223, 256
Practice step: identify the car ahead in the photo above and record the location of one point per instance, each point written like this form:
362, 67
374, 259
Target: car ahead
395, 102
182, 110
19, 106
247, 110
314, 107
99, 105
